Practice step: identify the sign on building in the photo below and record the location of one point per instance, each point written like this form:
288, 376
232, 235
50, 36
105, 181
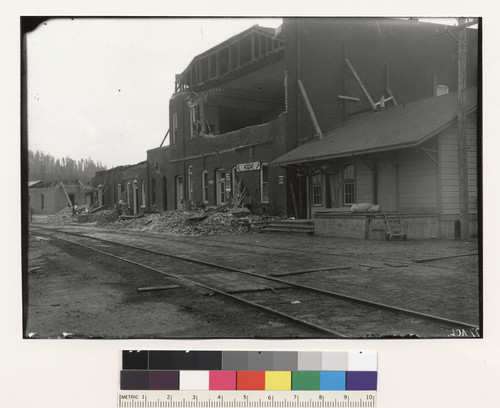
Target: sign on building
248, 166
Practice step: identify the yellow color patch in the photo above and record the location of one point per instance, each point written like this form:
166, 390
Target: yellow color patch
278, 380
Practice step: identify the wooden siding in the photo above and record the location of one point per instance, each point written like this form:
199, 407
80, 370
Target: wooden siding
364, 183
418, 185
448, 148
372, 226
346, 226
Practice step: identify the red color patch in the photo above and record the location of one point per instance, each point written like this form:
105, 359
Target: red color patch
251, 380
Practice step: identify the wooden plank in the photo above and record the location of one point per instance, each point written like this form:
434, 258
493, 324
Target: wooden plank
348, 98
443, 257
333, 268
163, 141
152, 288
310, 109
361, 85
294, 200
392, 96
66, 194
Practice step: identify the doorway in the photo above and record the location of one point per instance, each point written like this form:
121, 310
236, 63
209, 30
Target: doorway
387, 186
136, 197
164, 192
221, 186
179, 192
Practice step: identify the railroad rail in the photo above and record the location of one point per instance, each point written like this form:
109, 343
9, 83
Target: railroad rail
398, 315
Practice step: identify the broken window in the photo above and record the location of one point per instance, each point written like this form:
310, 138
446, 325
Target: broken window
194, 115
348, 184
317, 189
204, 186
175, 128
264, 183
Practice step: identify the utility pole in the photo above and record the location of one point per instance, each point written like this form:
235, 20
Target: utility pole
463, 186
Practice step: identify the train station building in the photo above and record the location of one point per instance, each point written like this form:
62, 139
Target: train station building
308, 119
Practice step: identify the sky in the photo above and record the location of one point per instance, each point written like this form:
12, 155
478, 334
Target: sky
100, 88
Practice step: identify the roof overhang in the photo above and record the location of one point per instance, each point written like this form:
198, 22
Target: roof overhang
352, 145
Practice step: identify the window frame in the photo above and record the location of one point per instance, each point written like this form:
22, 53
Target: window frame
190, 182
175, 128
143, 194
204, 186
264, 185
220, 186
351, 184
318, 187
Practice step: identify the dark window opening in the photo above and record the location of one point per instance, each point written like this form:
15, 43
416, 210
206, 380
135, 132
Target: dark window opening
153, 192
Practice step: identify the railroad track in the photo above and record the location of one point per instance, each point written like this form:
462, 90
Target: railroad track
334, 314
222, 245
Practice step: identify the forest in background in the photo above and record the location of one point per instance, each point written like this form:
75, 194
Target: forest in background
44, 167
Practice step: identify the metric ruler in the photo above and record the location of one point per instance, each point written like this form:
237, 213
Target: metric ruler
247, 399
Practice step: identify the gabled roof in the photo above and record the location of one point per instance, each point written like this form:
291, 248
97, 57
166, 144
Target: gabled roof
398, 127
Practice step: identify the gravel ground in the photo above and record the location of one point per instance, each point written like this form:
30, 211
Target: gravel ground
97, 297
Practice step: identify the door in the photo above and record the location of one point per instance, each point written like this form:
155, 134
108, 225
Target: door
221, 186
136, 199
179, 193
164, 192
387, 186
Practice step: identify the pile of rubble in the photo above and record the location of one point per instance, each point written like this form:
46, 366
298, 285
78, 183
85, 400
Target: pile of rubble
102, 217
215, 221
65, 216
82, 215
196, 222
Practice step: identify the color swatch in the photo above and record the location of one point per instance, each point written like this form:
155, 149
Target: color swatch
248, 370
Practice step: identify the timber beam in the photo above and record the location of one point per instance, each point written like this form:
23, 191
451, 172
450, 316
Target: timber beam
361, 85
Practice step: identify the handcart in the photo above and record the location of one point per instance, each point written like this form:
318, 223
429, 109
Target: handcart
394, 227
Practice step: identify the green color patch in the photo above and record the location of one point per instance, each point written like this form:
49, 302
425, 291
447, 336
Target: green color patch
306, 380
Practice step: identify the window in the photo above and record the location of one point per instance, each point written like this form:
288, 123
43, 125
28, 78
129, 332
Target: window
221, 186
348, 184
153, 192
264, 183
317, 189
128, 194
194, 119
143, 193
175, 128
204, 185
119, 197
190, 182
42, 203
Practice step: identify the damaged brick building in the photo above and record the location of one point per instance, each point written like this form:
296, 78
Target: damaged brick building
242, 106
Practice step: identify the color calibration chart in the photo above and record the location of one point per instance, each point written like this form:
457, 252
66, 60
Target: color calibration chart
167, 379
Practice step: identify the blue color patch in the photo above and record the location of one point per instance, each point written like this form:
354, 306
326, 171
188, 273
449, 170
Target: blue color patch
361, 381
332, 380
